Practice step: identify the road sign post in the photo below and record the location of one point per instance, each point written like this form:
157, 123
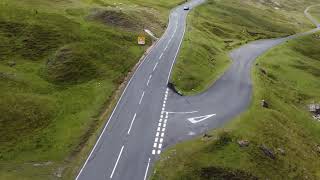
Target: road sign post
141, 39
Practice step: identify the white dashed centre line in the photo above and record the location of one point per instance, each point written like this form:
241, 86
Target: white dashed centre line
134, 117
161, 56
115, 166
149, 80
146, 173
155, 66
141, 97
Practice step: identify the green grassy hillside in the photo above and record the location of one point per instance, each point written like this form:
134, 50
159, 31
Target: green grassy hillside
315, 12
219, 26
287, 77
61, 63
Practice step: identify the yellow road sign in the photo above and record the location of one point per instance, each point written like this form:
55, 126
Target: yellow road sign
141, 40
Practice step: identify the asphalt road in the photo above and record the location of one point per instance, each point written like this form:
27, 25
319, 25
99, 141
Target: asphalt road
150, 117
126, 148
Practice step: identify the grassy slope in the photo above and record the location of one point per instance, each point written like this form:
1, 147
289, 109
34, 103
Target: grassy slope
315, 12
58, 70
290, 83
219, 26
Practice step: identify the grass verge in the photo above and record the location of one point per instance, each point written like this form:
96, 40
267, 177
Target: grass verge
315, 12
284, 139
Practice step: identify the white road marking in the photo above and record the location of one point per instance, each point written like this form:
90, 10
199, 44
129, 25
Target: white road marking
115, 166
141, 98
161, 56
161, 127
176, 55
146, 173
195, 120
149, 80
116, 107
166, 47
155, 66
134, 117
182, 112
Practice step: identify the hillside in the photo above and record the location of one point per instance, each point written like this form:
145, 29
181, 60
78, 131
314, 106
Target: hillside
282, 141
61, 63
219, 26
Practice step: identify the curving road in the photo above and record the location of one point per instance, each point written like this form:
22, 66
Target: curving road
228, 97
126, 148
149, 117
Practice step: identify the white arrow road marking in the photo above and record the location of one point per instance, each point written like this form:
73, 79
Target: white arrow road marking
181, 112
195, 120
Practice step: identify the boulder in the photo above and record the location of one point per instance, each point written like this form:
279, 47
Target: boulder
11, 63
318, 148
268, 152
263, 71
264, 104
243, 143
281, 151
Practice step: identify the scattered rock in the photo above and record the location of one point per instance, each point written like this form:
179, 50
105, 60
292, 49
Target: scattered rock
243, 143
318, 148
173, 88
11, 63
314, 108
264, 104
281, 151
42, 164
263, 71
207, 135
268, 152
59, 172
316, 117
